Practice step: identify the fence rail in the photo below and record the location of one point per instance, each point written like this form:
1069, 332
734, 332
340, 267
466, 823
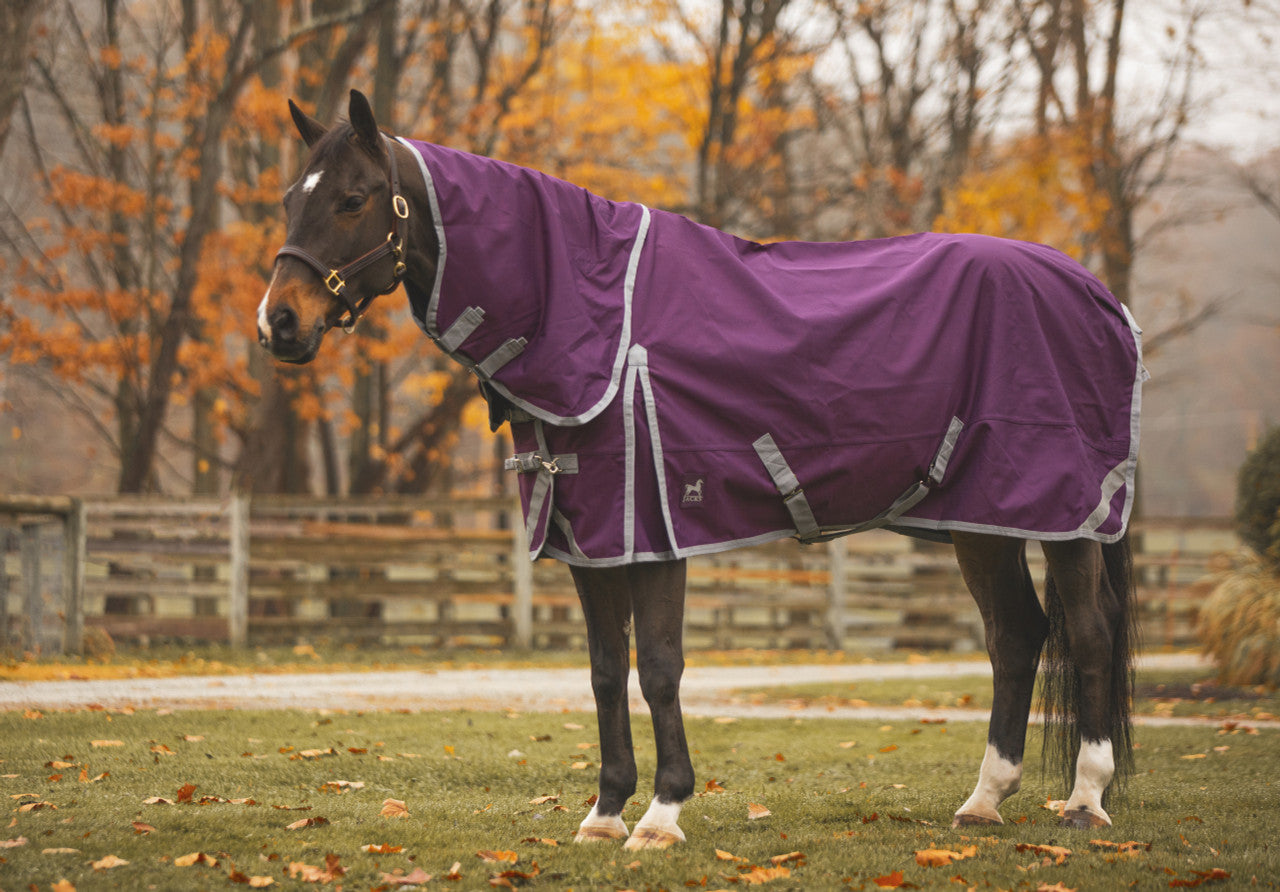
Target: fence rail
450, 573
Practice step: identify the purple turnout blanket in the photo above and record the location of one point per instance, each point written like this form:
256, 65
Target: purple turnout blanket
674, 390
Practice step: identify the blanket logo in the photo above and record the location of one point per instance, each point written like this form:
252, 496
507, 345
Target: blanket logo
692, 497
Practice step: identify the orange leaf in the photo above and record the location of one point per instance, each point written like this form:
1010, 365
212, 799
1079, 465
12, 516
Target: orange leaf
888, 749
308, 822
13, 843
141, 828
755, 811
543, 800
759, 875
394, 808
890, 881
722, 855
1058, 853
381, 848
1056, 887
943, 857
108, 862
713, 786
184, 793
106, 743
493, 857
62, 886
195, 858
798, 857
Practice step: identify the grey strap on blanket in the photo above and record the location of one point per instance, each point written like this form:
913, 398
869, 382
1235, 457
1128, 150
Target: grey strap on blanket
807, 528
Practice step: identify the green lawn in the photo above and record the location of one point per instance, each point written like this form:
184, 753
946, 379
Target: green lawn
1172, 692
856, 800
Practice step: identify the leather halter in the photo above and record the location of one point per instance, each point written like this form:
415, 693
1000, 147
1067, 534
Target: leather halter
335, 280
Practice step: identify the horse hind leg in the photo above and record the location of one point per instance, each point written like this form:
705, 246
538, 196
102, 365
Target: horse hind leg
1087, 686
605, 594
995, 571
658, 599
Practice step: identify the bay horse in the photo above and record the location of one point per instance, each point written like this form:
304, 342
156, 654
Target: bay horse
369, 213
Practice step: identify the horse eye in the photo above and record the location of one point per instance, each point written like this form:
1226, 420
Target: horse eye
353, 203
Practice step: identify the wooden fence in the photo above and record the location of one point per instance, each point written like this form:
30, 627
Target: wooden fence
453, 573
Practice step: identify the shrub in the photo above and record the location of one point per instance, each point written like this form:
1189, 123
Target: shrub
1239, 625
1258, 499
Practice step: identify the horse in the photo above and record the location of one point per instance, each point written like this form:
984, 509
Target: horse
368, 214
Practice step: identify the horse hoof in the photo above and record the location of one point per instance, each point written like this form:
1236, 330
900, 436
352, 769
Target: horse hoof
652, 838
1083, 819
969, 820
602, 831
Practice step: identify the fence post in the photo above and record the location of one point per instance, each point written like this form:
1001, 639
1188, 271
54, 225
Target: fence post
74, 552
238, 601
522, 582
33, 595
836, 593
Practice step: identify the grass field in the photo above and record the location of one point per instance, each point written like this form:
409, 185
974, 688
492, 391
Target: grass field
297, 799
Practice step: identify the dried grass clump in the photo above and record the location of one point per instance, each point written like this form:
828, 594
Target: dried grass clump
1239, 625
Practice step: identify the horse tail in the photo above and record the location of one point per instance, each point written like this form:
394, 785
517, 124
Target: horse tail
1060, 699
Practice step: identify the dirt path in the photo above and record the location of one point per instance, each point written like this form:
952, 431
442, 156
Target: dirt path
706, 691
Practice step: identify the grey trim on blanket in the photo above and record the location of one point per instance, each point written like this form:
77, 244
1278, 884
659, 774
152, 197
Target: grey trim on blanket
510, 349
430, 325
788, 485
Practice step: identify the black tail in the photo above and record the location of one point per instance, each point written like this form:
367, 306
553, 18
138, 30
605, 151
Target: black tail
1060, 676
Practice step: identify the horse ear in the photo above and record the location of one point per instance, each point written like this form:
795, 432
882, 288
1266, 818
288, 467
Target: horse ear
360, 114
310, 129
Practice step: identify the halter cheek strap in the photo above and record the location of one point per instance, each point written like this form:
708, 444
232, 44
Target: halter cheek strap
335, 280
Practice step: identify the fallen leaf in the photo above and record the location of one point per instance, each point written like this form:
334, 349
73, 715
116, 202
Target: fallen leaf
889, 881
311, 874
161, 750
417, 878
157, 800
798, 857
757, 876
1202, 877
455, 872
195, 858
60, 850
722, 855
106, 743
193, 738
185, 791
141, 828
492, 857
1196, 756
13, 843
108, 862
62, 886
1058, 853
381, 848
888, 749
394, 808
543, 800
943, 857
1056, 887
36, 806
316, 821
58, 763
713, 786
848, 744
755, 811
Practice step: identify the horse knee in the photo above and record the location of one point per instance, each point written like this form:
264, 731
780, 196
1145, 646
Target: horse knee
609, 680
660, 678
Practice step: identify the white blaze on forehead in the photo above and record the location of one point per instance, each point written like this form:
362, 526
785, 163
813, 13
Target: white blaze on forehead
312, 180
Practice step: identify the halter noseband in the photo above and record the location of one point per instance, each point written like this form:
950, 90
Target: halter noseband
336, 279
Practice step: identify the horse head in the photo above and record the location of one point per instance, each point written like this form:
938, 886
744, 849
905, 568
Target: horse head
345, 228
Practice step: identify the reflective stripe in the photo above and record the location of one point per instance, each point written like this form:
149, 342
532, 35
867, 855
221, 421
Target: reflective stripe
500, 357
461, 329
787, 483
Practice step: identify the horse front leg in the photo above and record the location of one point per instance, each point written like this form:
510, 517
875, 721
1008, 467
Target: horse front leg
995, 572
605, 594
658, 601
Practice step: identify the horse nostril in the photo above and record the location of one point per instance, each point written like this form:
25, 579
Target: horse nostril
284, 324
